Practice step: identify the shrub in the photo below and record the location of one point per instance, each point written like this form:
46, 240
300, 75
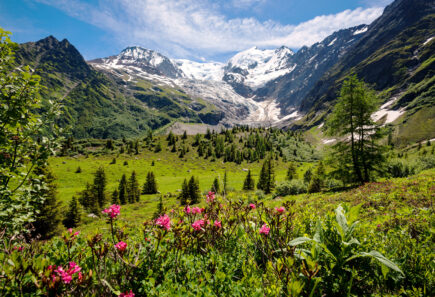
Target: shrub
293, 187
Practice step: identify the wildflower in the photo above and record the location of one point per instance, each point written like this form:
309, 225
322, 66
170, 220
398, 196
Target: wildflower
121, 246
113, 211
18, 248
197, 210
127, 294
70, 230
264, 229
164, 222
210, 197
67, 275
280, 210
198, 224
187, 209
218, 224
252, 206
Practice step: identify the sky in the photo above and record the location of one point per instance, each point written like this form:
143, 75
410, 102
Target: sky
200, 30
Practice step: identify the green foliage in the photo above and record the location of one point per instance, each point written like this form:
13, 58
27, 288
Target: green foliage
292, 187
266, 181
249, 183
122, 189
150, 186
24, 143
357, 154
99, 187
72, 217
215, 187
133, 191
194, 191
47, 219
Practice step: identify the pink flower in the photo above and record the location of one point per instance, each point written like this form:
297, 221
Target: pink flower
121, 246
198, 224
264, 229
197, 210
187, 209
252, 206
113, 211
164, 222
218, 224
280, 210
127, 294
210, 197
70, 230
66, 276
18, 248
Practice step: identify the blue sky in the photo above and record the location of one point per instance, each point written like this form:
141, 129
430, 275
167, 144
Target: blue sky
192, 29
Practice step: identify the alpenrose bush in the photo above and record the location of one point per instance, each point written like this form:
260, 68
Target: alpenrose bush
224, 249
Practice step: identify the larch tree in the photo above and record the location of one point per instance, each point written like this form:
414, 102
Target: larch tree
357, 153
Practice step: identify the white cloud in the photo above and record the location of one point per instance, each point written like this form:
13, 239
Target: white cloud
194, 28
246, 3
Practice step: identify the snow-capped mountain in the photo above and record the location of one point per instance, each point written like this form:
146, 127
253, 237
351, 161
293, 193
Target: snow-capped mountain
255, 67
145, 60
254, 86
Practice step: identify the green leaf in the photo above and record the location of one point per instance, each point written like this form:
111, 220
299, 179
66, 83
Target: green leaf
341, 220
299, 240
378, 256
116, 292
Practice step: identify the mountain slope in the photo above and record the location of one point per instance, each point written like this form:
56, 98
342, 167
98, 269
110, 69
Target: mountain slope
395, 56
97, 105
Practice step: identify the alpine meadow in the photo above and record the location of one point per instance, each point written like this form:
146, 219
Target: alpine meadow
217, 148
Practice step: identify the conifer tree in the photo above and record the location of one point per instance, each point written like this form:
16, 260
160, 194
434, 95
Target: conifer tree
115, 197
215, 187
291, 172
133, 191
307, 175
72, 217
150, 185
47, 219
194, 191
266, 181
184, 195
88, 199
358, 153
122, 189
99, 187
184, 135
249, 183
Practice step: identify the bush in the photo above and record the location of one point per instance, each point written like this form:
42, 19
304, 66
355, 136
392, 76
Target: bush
400, 168
293, 187
260, 194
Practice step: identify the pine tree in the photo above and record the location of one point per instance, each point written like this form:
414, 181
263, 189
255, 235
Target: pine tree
215, 187
249, 183
88, 199
291, 172
99, 187
184, 195
133, 191
122, 189
194, 191
150, 185
115, 197
47, 219
184, 135
267, 177
72, 217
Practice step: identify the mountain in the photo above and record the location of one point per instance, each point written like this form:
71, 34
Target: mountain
102, 106
396, 57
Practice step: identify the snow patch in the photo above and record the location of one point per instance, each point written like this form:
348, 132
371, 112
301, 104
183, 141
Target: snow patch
361, 30
332, 42
201, 71
392, 115
327, 141
428, 40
